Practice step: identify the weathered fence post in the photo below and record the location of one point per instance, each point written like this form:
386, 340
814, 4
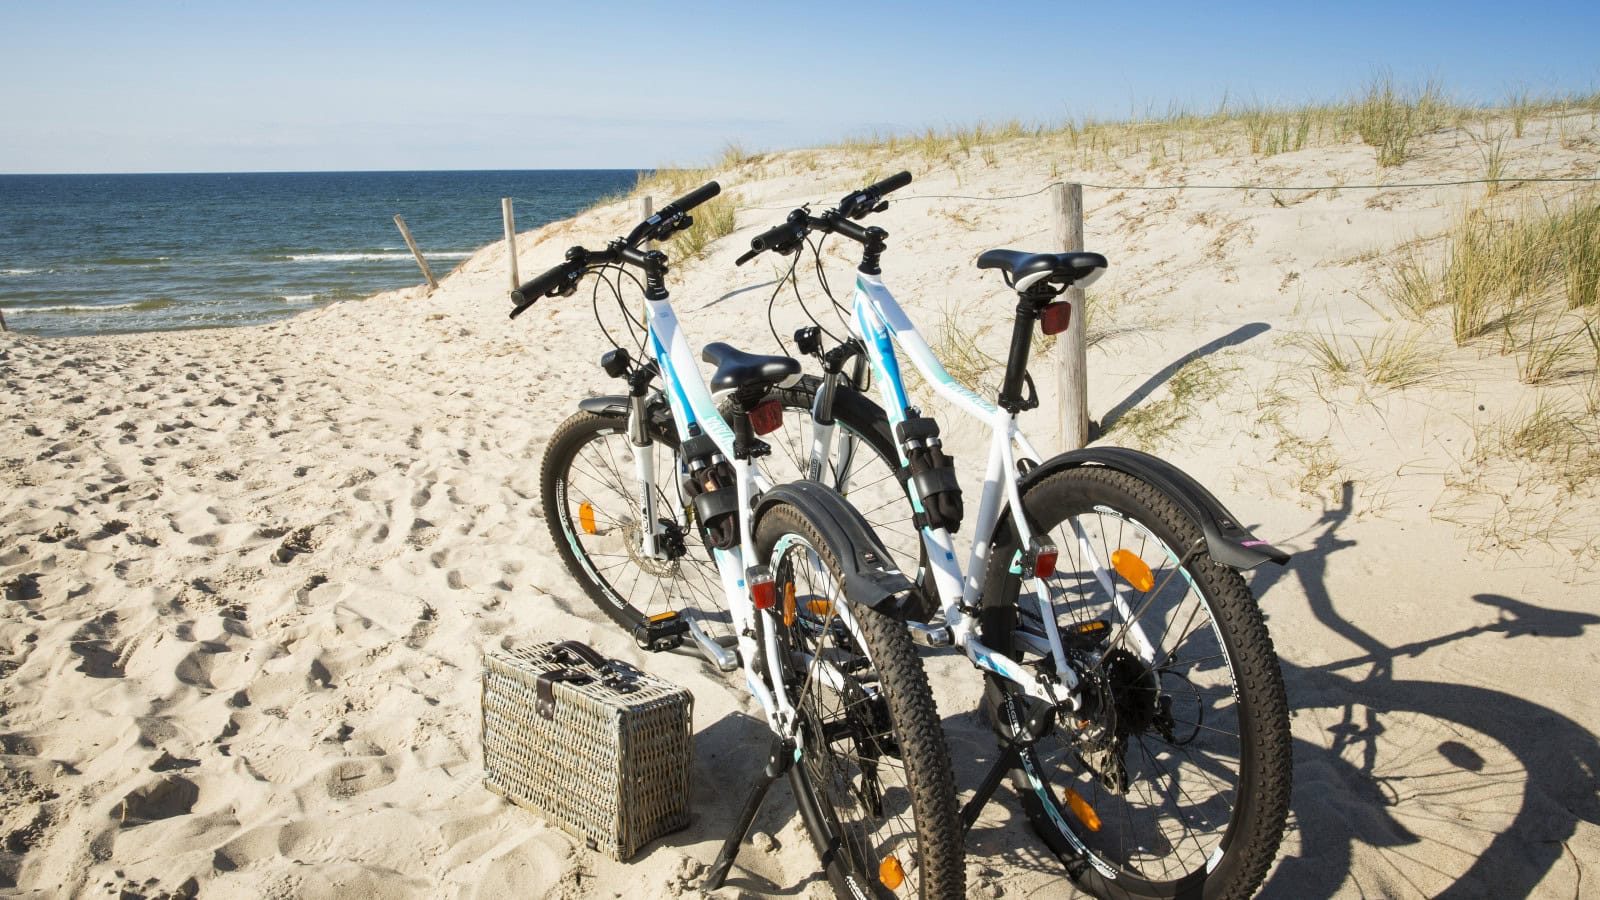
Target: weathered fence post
647, 208
1072, 386
3, 325
406, 233
511, 239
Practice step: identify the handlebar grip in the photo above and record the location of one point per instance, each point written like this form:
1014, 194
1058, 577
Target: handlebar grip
548, 283
892, 183
695, 197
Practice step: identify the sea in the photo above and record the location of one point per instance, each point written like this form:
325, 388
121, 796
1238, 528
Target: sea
107, 254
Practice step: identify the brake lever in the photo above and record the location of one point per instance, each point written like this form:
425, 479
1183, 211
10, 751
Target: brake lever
747, 257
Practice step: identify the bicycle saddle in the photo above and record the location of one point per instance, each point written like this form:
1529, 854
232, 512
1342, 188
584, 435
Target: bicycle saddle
737, 369
1027, 269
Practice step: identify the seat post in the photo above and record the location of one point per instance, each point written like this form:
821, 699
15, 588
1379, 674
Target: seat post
1029, 303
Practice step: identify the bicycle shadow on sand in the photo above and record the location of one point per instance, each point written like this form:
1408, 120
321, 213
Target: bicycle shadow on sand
1405, 770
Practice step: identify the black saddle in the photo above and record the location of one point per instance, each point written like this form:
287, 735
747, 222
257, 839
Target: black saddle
1065, 269
737, 369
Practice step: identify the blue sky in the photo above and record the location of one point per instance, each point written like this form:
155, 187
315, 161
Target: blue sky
229, 86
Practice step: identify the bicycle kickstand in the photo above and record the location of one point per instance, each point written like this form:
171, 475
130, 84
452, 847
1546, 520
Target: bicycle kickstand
1025, 730
779, 759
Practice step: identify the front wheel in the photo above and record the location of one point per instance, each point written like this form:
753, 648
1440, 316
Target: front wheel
595, 510
873, 781
1173, 781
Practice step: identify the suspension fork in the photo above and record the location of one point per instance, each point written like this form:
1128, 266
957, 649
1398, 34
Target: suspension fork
644, 458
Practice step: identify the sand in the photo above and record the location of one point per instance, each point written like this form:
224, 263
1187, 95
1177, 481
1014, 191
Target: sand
250, 574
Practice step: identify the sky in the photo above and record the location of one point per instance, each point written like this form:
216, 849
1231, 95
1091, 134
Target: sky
229, 86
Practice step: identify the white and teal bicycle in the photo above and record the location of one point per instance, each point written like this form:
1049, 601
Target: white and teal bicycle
1130, 676
657, 506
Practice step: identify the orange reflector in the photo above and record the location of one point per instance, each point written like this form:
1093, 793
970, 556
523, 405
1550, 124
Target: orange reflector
890, 873
819, 607
1082, 809
788, 603
1130, 566
586, 517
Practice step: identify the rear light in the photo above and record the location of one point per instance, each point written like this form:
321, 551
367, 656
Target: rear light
1044, 565
1055, 318
767, 417
763, 593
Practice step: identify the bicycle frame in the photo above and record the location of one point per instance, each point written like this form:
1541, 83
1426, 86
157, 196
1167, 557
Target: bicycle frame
880, 323
693, 409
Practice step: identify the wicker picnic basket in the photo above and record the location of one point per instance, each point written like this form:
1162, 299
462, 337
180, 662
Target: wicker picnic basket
593, 744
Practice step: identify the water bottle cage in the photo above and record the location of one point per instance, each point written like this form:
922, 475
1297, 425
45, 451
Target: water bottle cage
932, 474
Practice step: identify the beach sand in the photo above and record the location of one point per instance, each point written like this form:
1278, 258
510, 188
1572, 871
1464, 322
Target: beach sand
249, 574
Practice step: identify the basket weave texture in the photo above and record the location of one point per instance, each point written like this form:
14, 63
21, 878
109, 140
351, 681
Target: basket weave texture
609, 766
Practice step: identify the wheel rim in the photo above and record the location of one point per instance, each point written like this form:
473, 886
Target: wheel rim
1162, 760
599, 512
850, 761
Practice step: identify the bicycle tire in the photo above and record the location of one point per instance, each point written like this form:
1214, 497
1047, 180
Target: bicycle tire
882, 709
891, 516
602, 562
1128, 696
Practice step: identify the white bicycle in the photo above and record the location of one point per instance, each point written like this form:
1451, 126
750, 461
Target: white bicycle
1129, 674
655, 491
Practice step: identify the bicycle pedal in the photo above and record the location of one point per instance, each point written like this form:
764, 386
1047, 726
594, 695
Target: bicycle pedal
1085, 635
660, 632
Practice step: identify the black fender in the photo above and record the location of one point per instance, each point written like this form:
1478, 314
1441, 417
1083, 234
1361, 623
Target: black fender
615, 406
870, 578
1228, 542
612, 406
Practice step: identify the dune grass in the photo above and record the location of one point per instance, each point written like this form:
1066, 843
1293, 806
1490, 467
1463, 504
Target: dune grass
1499, 269
712, 219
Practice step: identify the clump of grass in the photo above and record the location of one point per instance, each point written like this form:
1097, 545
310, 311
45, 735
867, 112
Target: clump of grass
1397, 361
670, 182
956, 345
1575, 234
1494, 162
1390, 119
1498, 270
712, 219
1561, 439
1328, 355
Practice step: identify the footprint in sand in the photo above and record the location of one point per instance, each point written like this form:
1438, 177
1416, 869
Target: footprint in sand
92, 643
297, 543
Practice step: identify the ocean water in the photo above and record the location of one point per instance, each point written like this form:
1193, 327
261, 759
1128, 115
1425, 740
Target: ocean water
98, 254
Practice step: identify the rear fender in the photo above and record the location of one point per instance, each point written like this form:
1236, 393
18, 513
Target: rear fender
870, 578
1228, 542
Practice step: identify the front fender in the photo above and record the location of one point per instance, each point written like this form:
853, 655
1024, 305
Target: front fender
870, 578
1228, 542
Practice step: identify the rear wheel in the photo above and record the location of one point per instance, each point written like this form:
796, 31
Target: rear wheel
873, 779
595, 513
1173, 781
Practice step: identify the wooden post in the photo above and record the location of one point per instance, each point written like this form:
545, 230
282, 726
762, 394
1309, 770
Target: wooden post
647, 208
1072, 384
406, 233
3, 325
511, 239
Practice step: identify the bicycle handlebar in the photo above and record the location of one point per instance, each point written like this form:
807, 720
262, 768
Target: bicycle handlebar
563, 279
870, 198
786, 238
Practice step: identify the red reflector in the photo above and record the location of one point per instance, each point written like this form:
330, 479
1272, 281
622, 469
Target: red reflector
1053, 319
1044, 565
766, 417
763, 594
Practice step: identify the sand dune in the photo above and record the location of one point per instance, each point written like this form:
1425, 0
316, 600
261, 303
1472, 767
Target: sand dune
249, 574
